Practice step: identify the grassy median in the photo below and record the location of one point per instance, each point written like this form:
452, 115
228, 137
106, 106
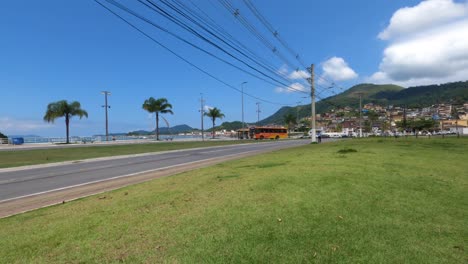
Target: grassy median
17, 158
355, 201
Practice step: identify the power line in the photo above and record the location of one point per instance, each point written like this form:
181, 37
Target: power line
190, 29
253, 30
272, 30
193, 45
245, 23
183, 59
276, 34
193, 31
188, 42
205, 19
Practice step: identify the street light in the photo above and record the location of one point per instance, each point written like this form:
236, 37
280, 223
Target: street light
106, 93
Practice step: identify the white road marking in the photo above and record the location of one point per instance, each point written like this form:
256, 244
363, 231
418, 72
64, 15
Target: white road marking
117, 177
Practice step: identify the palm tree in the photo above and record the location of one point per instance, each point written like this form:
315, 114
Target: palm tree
157, 106
214, 113
290, 121
64, 109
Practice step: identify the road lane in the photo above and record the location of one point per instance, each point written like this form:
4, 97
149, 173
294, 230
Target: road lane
21, 183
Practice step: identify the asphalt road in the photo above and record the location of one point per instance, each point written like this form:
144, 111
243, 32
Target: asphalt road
21, 183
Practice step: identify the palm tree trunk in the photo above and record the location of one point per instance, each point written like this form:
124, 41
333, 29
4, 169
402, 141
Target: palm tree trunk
157, 126
67, 124
213, 128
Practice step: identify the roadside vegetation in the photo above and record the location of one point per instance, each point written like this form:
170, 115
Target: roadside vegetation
157, 106
376, 200
213, 114
41, 156
65, 109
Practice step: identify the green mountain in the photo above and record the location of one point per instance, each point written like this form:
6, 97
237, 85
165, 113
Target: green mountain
387, 94
225, 125
164, 130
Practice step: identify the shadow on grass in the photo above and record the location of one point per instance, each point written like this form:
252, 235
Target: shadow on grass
346, 150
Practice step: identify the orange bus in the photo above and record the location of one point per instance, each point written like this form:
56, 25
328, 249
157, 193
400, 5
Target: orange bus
268, 132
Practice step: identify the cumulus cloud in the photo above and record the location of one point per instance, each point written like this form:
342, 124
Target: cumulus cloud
295, 87
428, 43
294, 74
411, 20
337, 69
299, 74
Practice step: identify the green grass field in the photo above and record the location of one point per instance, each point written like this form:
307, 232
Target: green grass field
41, 156
355, 201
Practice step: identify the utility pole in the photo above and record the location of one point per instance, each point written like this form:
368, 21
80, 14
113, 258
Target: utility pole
242, 92
106, 93
312, 99
258, 112
202, 113
360, 115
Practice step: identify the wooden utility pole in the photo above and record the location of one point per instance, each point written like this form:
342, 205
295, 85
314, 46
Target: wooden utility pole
258, 112
312, 98
106, 93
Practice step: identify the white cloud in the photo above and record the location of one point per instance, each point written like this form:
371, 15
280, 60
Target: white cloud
411, 20
283, 71
428, 44
337, 69
299, 74
295, 87
293, 75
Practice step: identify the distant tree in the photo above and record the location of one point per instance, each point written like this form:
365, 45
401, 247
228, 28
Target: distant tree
454, 112
339, 128
64, 109
367, 127
157, 106
3, 138
214, 113
418, 125
340, 114
386, 126
290, 121
373, 117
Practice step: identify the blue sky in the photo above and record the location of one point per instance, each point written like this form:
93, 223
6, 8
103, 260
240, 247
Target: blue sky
53, 50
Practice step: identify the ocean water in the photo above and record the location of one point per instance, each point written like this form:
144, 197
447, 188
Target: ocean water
74, 139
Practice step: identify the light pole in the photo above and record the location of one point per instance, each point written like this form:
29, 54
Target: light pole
106, 93
202, 111
242, 92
